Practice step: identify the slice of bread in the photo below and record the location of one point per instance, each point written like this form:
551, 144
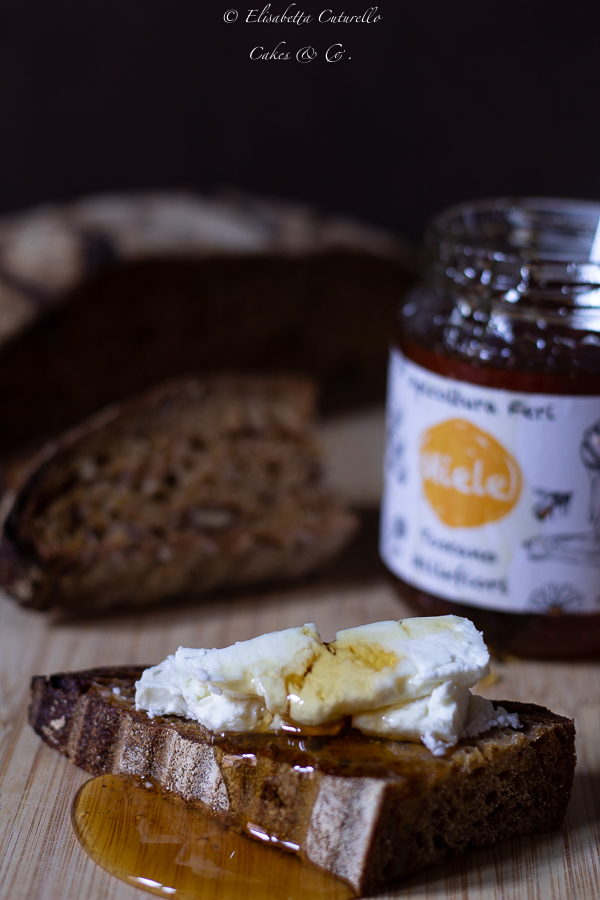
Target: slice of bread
368, 810
195, 485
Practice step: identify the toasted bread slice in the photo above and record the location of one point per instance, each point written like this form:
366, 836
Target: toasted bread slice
369, 811
196, 485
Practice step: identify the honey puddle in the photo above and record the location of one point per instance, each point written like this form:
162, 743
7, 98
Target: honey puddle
154, 844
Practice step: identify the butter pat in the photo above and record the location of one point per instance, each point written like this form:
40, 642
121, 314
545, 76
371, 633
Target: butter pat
407, 680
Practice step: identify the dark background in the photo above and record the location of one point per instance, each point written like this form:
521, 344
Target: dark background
442, 101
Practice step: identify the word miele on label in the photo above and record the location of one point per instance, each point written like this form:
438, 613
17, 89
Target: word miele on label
469, 478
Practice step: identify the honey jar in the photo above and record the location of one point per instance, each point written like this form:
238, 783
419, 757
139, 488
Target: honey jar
491, 506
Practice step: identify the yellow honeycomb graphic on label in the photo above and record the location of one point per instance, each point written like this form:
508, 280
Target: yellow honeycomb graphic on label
469, 478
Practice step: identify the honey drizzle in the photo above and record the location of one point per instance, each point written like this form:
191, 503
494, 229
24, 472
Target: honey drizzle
133, 832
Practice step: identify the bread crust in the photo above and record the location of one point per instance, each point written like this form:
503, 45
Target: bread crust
369, 811
40, 573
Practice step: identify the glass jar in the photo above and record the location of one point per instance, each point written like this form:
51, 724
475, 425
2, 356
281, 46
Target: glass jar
491, 505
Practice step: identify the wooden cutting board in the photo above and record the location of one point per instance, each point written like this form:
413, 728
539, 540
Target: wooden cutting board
40, 859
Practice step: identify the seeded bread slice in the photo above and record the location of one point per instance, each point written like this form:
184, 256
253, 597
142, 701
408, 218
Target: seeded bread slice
369, 811
195, 485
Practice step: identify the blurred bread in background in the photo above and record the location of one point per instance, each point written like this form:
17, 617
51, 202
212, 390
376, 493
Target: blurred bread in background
108, 295
196, 485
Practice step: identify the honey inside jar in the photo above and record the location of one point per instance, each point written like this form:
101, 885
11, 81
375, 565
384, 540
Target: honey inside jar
495, 375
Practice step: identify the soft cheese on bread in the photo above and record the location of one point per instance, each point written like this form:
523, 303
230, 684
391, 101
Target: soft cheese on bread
369, 810
407, 680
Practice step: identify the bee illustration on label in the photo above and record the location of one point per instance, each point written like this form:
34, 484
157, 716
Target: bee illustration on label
579, 548
551, 502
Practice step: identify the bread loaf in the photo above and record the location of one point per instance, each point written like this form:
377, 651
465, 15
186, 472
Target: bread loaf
368, 810
197, 484
109, 295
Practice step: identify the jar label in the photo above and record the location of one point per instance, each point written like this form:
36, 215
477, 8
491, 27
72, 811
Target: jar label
492, 497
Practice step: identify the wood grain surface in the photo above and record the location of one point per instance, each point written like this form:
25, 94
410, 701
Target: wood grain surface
40, 858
